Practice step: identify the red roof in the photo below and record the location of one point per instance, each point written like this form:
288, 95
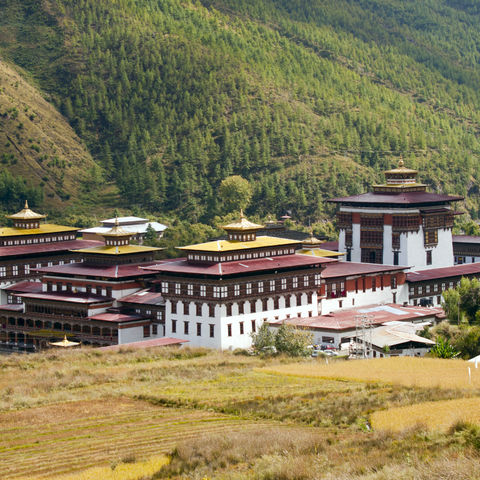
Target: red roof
156, 342
465, 239
144, 297
116, 317
399, 199
333, 246
345, 319
445, 272
67, 297
52, 247
25, 287
181, 265
103, 271
12, 307
345, 269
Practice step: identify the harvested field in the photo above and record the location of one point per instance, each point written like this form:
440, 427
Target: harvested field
439, 416
56, 439
407, 371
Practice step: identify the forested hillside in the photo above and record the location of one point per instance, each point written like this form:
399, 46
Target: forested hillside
305, 99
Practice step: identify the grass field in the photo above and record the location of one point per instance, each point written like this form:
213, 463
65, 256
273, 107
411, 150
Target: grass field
439, 416
407, 371
217, 416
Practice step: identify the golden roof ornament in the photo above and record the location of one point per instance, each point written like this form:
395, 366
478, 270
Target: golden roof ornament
26, 214
242, 224
117, 231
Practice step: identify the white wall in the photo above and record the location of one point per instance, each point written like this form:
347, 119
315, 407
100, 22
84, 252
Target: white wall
132, 334
221, 339
361, 299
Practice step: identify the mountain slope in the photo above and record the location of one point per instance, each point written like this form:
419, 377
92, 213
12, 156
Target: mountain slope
306, 99
38, 144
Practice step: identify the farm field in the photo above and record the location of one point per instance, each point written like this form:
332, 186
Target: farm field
215, 415
407, 371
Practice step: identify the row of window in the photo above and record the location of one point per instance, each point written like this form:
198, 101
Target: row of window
15, 269
28, 241
257, 306
211, 328
429, 288
89, 289
240, 256
241, 289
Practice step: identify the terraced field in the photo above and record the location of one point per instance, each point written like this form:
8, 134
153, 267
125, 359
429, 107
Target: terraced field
67, 437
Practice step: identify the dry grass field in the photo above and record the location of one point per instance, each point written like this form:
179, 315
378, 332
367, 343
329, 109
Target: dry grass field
68, 415
407, 371
439, 416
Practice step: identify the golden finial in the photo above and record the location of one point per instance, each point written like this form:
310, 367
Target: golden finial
241, 213
26, 204
400, 163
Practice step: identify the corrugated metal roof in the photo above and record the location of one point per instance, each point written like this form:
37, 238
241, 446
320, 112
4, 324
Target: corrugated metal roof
181, 265
444, 272
37, 248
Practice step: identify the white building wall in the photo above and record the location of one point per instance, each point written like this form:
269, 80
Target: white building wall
341, 242
222, 340
356, 254
132, 334
387, 245
361, 299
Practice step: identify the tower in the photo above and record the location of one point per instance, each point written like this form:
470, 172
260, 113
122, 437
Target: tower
398, 223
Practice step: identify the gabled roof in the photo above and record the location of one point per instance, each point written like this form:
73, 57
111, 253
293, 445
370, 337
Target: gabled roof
397, 199
232, 245
182, 266
444, 272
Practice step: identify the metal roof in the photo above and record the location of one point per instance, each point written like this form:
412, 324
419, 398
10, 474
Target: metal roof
182, 266
53, 247
397, 199
345, 269
234, 245
444, 272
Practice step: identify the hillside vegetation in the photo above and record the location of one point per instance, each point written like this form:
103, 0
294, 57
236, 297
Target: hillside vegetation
37, 145
306, 99
223, 416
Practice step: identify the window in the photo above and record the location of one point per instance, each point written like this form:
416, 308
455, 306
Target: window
3, 271
229, 329
190, 289
198, 309
216, 292
284, 283
164, 287
146, 331
305, 281
395, 258
185, 328
203, 290
429, 257
159, 315
14, 269
411, 291
174, 326
427, 289
174, 307
199, 329
443, 287
249, 289
254, 326
241, 308
393, 281
295, 282
420, 290
177, 289
374, 284
212, 330
241, 328
154, 329
272, 285
236, 290
317, 279
211, 310
260, 287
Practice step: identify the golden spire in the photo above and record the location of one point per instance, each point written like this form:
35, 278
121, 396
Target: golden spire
26, 214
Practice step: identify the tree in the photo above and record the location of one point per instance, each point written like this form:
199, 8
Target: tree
235, 193
264, 338
444, 349
293, 341
150, 236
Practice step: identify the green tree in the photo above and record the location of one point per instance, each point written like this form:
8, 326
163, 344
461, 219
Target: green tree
292, 341
235, 193
263, 339
444, 349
